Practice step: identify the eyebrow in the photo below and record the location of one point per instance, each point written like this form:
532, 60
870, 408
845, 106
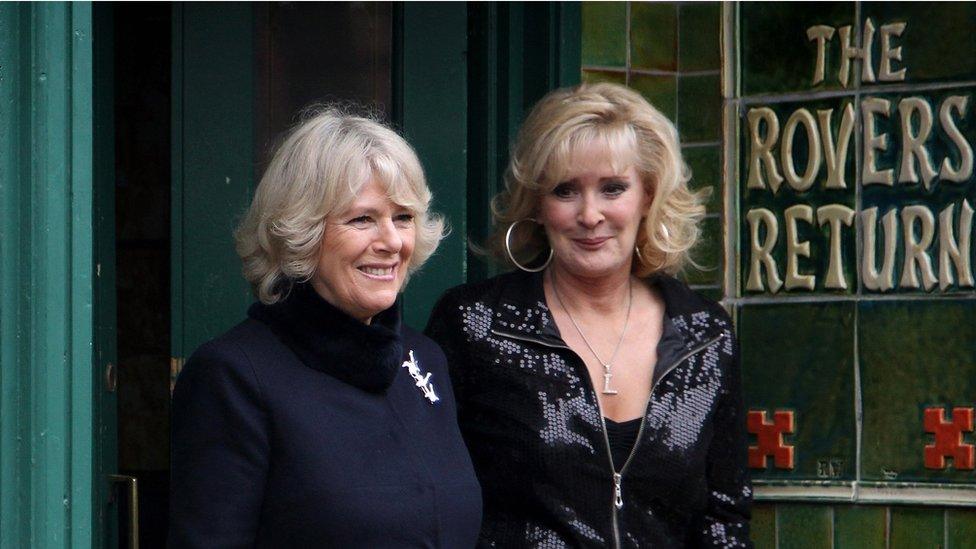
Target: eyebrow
353, 210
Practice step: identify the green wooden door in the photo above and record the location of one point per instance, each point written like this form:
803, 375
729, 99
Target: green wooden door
218, 103
212, 144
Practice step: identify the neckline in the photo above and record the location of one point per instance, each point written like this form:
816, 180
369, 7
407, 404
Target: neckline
626, 423
325, 338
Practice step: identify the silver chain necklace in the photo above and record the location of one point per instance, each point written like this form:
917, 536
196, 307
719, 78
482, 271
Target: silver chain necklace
607, 375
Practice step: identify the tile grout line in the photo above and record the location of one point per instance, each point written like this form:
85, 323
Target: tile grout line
659, 72
858, 252
699, 144
833, 519
858, 402
801, 96
888, 527
677, 67
628, 41
730, 181
945, 528
867, 298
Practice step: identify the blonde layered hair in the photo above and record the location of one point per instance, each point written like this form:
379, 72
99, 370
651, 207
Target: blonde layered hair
317, 171
636, 134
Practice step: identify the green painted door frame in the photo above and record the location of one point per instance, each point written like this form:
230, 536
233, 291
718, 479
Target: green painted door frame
49, 466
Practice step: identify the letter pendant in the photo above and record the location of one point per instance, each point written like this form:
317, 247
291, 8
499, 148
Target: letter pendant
606, 384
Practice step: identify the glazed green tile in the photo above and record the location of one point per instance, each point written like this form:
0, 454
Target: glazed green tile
860, 526
960, 528
803, 526
925, 57
775, 54
936, 197
706, 173
700, 108
762, 527
654, 36
913, 355
916, 528
604, 40
661, 91
708, 254
800, 357
777, 200
593, 77
700, 36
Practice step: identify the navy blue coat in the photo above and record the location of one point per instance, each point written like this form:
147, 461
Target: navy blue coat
300, 427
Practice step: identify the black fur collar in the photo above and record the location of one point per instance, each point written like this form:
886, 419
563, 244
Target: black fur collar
367, 356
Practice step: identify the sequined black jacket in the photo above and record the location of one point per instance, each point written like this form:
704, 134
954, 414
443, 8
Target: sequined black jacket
529, 414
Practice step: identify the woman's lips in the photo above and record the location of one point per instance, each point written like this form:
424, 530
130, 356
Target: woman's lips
591, 243
379, 272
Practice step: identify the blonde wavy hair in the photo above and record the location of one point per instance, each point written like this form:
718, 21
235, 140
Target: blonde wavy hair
318, 170
636, 134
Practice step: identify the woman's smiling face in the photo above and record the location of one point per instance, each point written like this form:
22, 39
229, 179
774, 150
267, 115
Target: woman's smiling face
592, 215
365, 253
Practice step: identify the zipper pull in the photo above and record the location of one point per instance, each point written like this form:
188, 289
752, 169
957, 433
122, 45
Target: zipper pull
618, 498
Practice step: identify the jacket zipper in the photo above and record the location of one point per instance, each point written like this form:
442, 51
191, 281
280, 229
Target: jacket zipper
617, 501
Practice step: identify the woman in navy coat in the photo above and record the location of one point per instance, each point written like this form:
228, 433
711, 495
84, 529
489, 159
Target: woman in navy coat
322, 421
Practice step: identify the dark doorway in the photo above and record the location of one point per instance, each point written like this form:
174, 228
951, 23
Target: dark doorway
307, 54
301, 55
142, 93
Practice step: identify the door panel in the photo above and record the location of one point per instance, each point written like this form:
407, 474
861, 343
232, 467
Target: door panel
213, 175
241, 74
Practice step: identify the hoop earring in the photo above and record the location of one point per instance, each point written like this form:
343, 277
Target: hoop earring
508, 248
639, 256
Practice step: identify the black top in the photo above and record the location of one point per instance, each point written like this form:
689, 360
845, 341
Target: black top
622, 437
302, 427
530, 416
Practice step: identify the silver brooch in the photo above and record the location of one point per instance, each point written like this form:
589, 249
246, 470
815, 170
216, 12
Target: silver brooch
420, 380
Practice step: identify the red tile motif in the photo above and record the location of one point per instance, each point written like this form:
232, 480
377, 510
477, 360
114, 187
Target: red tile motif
769, 437
948, 438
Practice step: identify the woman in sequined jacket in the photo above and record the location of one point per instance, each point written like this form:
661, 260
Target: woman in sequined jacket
599, 396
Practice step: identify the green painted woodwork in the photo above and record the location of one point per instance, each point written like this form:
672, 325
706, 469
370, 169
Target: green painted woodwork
489, 63
47, 380
431, 98
213, 91
511, 65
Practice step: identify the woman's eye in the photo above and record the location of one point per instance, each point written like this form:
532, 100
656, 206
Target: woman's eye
360, 221
614, 189
563, 190
403, 219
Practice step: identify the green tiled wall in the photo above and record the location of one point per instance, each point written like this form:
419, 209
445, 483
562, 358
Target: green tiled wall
670, 53
856, 370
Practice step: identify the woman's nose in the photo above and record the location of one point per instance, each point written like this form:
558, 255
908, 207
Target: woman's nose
389, 239
589, 214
